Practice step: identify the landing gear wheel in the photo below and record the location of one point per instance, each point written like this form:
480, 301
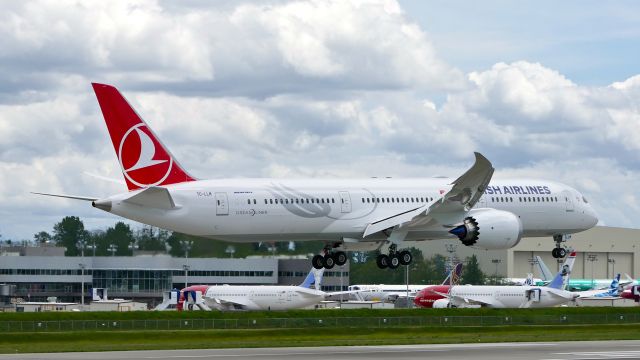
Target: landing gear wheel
405, 257
559, 252
562, 253
382, 261
329, 261
341, 258
318, 262
394, 261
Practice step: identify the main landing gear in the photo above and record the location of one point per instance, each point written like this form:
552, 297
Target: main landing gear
329, 259
559, 252
394, 259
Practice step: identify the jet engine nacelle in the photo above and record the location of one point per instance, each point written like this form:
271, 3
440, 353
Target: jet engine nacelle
489, 229
441, 304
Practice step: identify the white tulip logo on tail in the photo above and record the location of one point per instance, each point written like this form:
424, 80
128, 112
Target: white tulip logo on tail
141, 162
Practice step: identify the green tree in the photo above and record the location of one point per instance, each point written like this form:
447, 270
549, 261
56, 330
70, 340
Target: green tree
42, 237
121, 236
175, 247
152, 239
67, 232
471, 273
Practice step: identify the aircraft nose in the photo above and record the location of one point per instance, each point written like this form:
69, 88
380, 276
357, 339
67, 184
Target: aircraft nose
591, 218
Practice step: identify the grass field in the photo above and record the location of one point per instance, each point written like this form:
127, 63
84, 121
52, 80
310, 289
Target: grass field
314, 328
322, 313
145, 340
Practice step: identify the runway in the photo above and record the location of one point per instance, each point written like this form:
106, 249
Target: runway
522, 351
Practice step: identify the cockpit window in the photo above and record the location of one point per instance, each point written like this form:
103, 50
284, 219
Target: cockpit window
585, 200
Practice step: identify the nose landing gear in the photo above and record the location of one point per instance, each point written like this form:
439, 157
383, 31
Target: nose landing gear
559, 252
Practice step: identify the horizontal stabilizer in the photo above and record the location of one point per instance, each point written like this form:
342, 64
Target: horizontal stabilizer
154, 197
74, 197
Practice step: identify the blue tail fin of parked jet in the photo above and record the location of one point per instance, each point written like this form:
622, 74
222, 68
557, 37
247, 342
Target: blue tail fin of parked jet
613, 288
313, 278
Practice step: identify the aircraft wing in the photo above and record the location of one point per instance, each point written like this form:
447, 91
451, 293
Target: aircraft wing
242, 302
463, 195
561, 293
469, 187
467, 299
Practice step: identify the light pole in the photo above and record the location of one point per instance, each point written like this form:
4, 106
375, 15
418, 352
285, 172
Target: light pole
230, 250
81, 245
132, 246
495, 275
186, 246
82, 266
451, 249
185, 267
406, 274
592, 258
112, 249
613, 266
533, 261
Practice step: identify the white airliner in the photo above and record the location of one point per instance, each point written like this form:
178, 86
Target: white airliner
504, 296
265, 297
382, 292
390, 293
347, 214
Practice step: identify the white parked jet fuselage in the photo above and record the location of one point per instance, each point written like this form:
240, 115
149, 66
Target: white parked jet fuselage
508, 296
258, 297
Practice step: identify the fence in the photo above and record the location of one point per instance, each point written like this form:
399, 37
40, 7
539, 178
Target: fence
296, 323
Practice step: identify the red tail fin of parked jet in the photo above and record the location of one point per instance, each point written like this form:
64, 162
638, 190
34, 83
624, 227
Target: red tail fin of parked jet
144, 160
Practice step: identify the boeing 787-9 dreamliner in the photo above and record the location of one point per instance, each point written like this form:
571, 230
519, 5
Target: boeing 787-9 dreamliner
347, 214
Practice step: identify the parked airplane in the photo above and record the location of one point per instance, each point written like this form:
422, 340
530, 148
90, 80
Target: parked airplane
579, 284
530, 280
632, 293
612, 292
262, 297
501, 296
390, 293
354, 214
382, 292
432, 293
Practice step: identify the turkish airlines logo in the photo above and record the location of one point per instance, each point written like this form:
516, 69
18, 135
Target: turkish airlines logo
141, 163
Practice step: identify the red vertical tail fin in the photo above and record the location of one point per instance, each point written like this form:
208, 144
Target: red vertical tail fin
144, 160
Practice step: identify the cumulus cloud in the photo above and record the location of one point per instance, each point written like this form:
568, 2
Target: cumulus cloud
287, 89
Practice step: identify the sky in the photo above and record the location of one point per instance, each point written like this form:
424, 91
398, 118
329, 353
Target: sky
320, 89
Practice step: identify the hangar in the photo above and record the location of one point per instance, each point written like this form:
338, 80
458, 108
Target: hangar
602, 252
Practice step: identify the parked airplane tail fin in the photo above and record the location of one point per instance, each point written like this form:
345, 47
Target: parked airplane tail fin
144, 160
545, 273
615, 286
529, 279
313, 278
562, 277
454, 275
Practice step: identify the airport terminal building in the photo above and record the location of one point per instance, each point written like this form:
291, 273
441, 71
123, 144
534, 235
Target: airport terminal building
40, 273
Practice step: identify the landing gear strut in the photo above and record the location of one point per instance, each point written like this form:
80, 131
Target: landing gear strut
394, 259
329, 259
558, 252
